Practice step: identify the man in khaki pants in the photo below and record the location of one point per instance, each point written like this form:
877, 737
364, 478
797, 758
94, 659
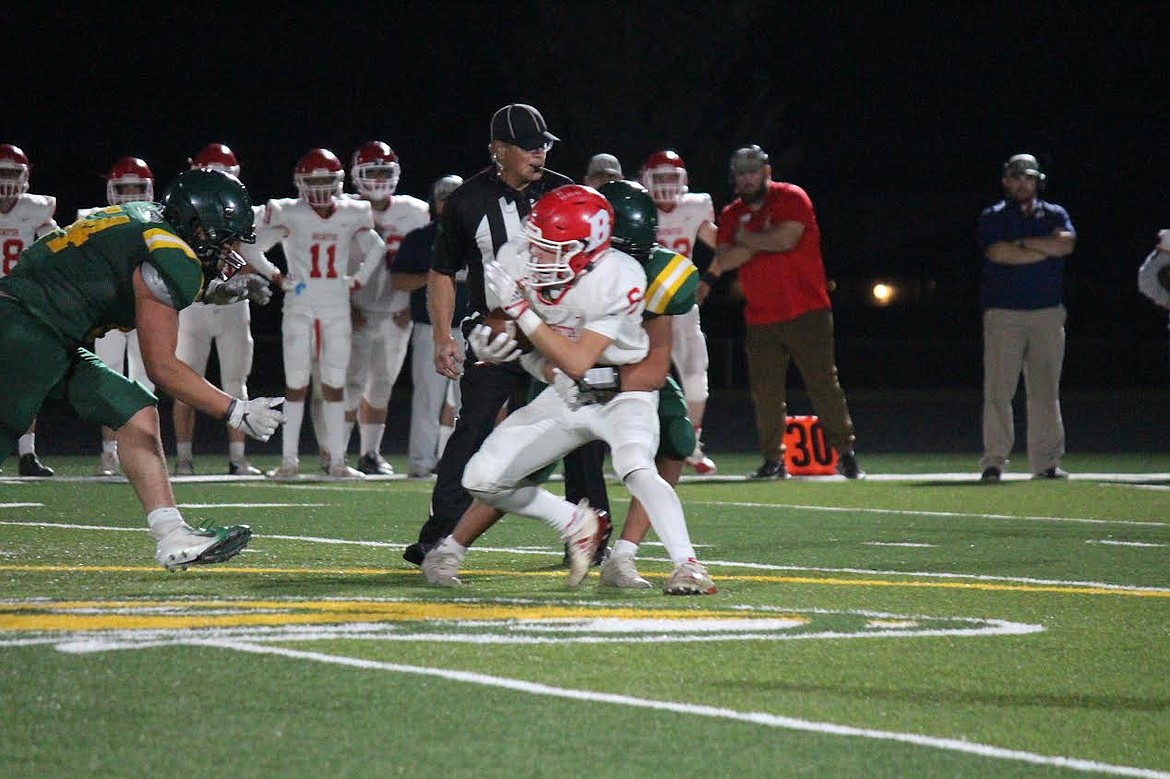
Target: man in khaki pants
1025, 241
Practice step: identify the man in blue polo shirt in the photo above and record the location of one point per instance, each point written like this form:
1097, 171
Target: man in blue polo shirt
1025, 241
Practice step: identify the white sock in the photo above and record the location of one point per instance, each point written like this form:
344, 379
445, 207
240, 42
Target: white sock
624, 548
665, 511
26, 444
449, 544
445, 432
294, 416
371, 435
184, 450
333, 415
163, 520
236, 451
110, 447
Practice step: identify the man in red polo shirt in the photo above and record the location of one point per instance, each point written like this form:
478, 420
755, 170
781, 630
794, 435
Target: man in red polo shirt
769, 234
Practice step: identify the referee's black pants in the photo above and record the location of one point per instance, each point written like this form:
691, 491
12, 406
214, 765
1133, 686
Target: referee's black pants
485, 387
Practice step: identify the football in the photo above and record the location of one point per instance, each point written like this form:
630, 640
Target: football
498, 321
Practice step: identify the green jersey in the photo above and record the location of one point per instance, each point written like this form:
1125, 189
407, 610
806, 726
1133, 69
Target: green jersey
78, 279
671, 281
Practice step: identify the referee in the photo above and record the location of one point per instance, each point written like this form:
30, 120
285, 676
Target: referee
479, 218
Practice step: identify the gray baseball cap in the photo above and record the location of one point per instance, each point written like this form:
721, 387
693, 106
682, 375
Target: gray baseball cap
748, 159
1023, 165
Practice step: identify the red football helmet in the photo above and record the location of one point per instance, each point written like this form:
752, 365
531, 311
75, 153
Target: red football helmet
14, 169
319, 177
573, 224
375, 170
129, 180
216, 156
665, 176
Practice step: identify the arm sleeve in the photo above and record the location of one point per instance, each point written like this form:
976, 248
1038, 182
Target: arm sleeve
372, 249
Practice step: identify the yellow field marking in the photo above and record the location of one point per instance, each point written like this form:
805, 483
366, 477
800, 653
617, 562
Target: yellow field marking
763, 579
74, 616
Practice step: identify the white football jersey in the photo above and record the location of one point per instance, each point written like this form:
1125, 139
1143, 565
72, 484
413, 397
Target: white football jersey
677, 230
608, 299
404, 214
318, 249
30, 217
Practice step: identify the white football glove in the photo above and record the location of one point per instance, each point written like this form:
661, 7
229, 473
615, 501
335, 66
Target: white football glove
500, 284
258, 417
242, 286
499, 348
566, 389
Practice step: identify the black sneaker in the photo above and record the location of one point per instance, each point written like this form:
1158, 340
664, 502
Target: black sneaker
771, 469
1048, 473
847, 466
372, 464
415, 553
991, 475
30, 465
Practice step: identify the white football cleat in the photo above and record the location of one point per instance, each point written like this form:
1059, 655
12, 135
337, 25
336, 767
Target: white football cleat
441, 564
700, 462
619, 571
186, 545
690, 578
581, 537
290, 468
343, 471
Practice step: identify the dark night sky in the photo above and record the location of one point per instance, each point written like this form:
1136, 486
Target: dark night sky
895, 121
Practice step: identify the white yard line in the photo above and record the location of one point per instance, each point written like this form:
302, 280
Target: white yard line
751, 717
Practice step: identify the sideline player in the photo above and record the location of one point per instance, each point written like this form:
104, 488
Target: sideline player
580, 302
129, 180
686, 222
229, 327
24, 217
382, 324
132, 266
318, 230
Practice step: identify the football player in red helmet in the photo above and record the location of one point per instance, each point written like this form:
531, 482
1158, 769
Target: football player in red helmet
228, 328
566, 230
129, 180
318, 178
582, 338
23, 219
216, 156
375, 170
686, 224
324, 235
382, 324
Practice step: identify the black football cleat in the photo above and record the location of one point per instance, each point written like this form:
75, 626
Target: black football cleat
30, 465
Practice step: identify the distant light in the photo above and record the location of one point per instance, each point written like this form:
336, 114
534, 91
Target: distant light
883, 294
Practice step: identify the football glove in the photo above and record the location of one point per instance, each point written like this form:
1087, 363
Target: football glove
242, 286
258, 417
498, 348
500, 285
566, 389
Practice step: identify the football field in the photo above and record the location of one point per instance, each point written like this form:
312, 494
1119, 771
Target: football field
916, 623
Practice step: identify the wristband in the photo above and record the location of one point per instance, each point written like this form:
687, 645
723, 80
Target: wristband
528, 322
228, 414
709, 278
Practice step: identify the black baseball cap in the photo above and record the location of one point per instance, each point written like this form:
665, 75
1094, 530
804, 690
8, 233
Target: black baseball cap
521, 125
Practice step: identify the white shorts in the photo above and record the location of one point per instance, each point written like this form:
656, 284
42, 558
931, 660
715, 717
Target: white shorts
376, 357
230, 328
546, 430
312, 339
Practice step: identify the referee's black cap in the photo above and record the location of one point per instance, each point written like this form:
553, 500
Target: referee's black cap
521, 125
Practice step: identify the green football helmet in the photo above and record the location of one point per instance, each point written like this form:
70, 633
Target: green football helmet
211, 210
635, 224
